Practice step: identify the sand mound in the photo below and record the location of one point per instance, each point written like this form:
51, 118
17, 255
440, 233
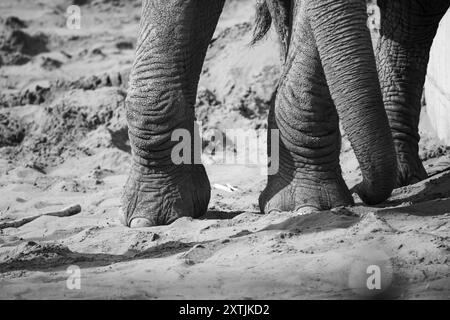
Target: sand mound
17, 46
76, 123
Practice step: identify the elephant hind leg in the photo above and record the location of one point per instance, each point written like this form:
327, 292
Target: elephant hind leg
309, 174
407, 31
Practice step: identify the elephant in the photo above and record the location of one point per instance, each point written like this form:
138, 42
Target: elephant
330, 74
408, 28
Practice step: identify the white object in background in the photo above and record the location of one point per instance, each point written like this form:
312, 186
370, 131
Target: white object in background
437, 86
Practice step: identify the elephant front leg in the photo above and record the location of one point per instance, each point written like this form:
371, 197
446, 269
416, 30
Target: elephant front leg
407, 31
172, 43
309, 173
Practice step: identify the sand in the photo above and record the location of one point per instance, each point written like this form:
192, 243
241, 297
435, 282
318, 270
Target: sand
64, 142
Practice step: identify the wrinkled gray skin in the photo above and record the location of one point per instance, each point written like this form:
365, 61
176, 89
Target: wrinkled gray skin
408, 28
329, 73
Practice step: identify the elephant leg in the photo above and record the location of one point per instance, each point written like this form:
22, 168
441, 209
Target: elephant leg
330, 62
172, 43
309, 174
407, 31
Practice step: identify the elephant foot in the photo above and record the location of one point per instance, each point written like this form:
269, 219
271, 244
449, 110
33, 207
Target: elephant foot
281, 194
410, 170
152, 199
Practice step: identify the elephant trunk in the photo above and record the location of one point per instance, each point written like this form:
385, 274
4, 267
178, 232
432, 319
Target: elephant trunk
345, 48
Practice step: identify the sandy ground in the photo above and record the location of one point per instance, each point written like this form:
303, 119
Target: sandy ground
63, 141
